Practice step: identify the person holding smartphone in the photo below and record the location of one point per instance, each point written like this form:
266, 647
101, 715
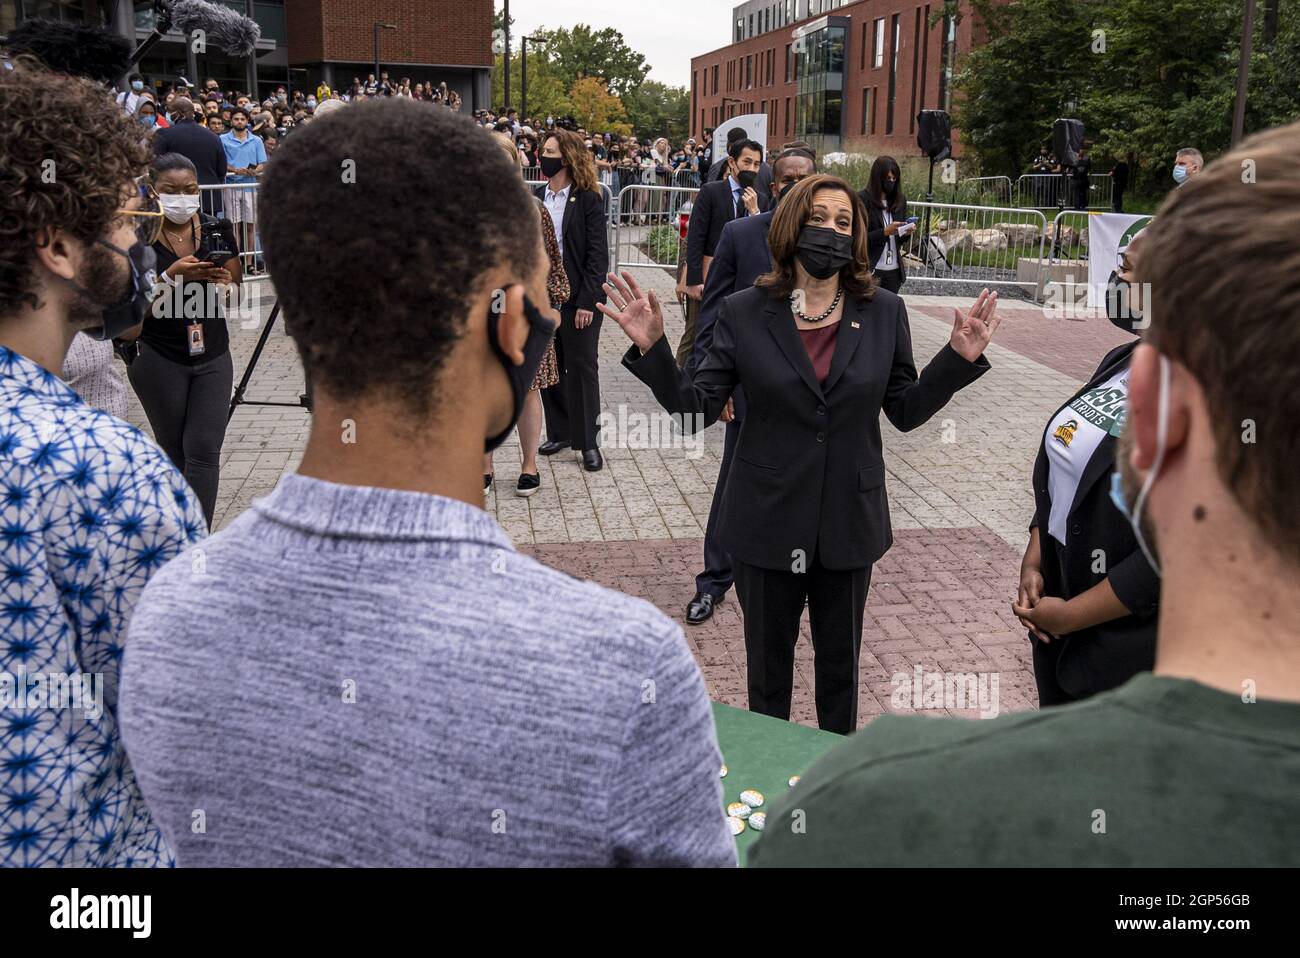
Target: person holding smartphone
182, 370
887, 221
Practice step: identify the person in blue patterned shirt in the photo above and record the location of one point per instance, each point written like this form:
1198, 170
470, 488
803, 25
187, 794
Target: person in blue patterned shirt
89, 507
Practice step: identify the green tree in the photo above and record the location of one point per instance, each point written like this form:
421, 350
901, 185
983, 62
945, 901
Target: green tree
1145, 78
547, 91
595, 108
656, 109
583, 52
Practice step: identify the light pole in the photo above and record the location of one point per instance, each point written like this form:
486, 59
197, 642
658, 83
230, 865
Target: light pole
380, 26
252, 58
523, 75
505, 80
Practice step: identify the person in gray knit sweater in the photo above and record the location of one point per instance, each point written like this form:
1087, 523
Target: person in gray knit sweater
360, 669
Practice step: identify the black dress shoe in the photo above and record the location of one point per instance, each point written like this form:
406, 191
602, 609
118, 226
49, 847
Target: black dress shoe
700, 608
591, 460
552, 446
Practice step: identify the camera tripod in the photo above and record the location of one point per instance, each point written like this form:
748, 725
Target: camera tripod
304, 399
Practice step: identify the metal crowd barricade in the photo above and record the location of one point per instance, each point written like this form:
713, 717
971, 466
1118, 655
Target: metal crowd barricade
1043, 190
686, 179
237, 203
975, 244
647, 228
977, 189
1099, 191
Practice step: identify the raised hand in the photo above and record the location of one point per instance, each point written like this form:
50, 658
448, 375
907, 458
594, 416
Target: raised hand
972, 330
639, 313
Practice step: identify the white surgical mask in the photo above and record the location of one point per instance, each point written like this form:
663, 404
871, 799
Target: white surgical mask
1117, 483
178, 207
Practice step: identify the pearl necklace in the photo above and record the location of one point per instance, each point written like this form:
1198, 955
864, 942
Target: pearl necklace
839, 293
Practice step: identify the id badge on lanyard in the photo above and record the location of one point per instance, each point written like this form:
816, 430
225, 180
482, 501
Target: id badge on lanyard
194, 339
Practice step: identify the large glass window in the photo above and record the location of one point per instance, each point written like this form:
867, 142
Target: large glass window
819, 66
878, 44
893, 74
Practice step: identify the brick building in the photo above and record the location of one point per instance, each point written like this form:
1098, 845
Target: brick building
434, 41
837, 74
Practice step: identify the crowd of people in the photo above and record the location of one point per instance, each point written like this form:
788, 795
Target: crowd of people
385, 724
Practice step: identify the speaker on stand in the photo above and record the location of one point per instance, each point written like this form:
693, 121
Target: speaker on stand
934, 137
1067, 141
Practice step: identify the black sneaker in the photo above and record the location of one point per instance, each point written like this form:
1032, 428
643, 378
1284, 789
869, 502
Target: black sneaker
487, 483
529, 482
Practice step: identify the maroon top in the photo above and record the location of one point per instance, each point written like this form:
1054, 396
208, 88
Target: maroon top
820, 344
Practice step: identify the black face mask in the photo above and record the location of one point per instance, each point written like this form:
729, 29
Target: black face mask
890, 188
746, 178
550, 165
130, 310
823, 251
540, 331
1120, 306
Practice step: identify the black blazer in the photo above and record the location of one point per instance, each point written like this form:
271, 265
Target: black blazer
201, 147
712, 210
808, 472
586, 246
1106, 655
876, 238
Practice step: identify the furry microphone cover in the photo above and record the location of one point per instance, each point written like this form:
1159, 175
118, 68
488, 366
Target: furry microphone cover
227, 30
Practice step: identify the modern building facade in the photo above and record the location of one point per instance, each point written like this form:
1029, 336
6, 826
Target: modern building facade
424, 40
305, 42
841, 75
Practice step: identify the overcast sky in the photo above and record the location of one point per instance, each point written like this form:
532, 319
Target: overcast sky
666, 32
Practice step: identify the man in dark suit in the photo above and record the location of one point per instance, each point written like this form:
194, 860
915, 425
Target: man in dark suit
719, 169
741, 257
572, 405
716, 205
197, 144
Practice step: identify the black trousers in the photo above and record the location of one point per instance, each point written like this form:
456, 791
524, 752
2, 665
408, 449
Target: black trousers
890, 279
572, 405
1050, 691
187, 407
1117, 199
717, 577
772, 602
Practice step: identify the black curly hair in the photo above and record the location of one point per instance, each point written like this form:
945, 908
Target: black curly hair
67, 152
337, 196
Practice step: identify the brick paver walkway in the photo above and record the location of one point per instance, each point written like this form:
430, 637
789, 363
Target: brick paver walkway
959, 492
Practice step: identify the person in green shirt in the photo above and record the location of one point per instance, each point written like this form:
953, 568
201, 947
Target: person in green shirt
1197, 763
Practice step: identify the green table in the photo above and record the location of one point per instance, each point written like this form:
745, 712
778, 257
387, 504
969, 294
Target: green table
763, 752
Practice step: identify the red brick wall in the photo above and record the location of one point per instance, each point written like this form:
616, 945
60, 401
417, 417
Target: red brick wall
446, 32
857, 77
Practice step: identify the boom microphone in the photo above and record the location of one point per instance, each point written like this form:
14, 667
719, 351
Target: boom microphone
229, 31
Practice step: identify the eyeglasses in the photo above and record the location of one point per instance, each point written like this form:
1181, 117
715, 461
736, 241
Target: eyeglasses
147, 217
